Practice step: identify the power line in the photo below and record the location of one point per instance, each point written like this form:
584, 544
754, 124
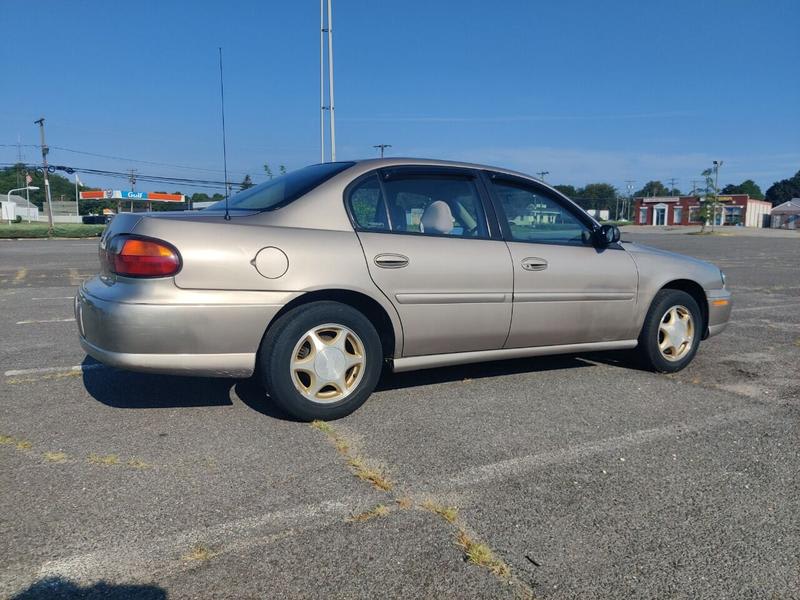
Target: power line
122, 158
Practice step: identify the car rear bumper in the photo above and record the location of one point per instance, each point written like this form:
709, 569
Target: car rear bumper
720, 304
180, 332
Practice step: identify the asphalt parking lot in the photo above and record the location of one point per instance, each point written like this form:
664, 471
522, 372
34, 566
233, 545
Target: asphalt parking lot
574, 476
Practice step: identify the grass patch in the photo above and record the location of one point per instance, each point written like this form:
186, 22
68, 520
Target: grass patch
200, 553
135, 463
19, 444
40, 230
481, 555
57, 457
323, 427
360, 468
369, 474
379, 511
104, 459
404, 503
448, 513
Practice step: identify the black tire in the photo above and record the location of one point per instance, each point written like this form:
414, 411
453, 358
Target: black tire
278, 346
649, 338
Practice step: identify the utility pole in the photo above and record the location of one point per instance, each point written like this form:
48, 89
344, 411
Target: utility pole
629, 187
382, 147
672, 181
694, 186
541, 174
132, 179
45, 150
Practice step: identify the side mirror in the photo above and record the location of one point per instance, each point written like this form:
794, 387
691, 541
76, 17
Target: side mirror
607, 235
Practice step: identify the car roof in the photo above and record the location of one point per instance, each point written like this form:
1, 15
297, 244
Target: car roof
397, 161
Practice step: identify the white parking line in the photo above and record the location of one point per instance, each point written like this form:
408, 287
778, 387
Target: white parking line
766, 307
56, 298
521, 465
17, 372
164, 555
46, 321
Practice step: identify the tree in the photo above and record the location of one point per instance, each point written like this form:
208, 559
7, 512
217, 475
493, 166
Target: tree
748, 186
784, 190
282, 169
268, 171
568, 190
247, 182
653, 188
598, 196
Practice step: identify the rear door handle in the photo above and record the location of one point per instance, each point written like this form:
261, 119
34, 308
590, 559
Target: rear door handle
534, 264
391, 261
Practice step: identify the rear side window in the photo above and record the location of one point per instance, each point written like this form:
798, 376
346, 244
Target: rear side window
367, 206
284, 189
426, 205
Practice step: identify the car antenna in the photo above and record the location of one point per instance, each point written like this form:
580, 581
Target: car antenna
224, 147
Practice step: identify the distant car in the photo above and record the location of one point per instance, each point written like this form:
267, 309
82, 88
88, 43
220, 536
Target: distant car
317, 279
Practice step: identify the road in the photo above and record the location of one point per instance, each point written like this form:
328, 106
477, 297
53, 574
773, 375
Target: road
574, 476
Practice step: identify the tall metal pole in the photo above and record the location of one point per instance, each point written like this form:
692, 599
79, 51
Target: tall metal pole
322, 79
717, 165
47, 197
330, 83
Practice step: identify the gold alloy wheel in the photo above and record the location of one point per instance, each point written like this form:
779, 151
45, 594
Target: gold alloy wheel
328, 363
675, 333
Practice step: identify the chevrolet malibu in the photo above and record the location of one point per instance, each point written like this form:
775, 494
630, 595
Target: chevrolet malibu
315, 280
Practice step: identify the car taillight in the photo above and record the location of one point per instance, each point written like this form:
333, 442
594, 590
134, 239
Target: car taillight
132, 256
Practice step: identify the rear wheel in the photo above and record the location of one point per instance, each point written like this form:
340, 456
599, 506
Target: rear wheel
321, 360
671, 332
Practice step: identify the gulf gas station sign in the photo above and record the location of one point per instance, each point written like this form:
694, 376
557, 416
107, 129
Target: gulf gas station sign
130, 195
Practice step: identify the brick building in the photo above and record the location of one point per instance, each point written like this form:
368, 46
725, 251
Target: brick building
733, 209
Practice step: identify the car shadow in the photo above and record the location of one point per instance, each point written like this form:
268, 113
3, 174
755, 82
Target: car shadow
60, 588
390, 380
130, 390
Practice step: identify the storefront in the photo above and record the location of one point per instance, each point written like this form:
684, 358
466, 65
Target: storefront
731, 210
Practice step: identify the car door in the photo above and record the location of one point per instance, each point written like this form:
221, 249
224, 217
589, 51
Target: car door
566, 289
431, 250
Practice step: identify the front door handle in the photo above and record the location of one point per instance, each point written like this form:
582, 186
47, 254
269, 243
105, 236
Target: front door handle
534, 264
391, 261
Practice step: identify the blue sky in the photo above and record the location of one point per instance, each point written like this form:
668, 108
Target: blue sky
589, 91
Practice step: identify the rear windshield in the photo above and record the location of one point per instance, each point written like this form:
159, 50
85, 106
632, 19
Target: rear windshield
284, 189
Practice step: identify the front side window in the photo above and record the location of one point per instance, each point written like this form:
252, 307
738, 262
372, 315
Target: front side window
284, 189
440, 205
536, 216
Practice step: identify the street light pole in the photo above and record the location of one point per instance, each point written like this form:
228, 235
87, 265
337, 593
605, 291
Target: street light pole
541, 174
382, 147
45, 150
717, 165
29, 188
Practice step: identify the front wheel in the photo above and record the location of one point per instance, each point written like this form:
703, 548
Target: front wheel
321, 360
671, 332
